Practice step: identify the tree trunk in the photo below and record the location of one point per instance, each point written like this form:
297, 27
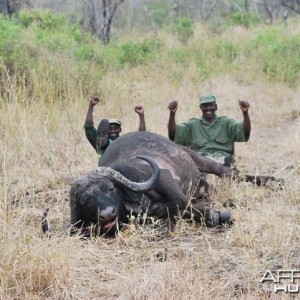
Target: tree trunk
294, 5
4, 7
9, 7
271, 8
206, 9
99, 16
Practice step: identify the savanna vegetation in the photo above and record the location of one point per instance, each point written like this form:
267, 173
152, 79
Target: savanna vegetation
49, 68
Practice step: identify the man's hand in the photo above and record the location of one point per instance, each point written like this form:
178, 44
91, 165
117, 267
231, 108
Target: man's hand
94, 100
244, 105
173, 105
139, 110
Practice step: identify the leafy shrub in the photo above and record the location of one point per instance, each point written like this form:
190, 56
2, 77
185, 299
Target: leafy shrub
43, 19
243, 19
84, 52
80, 36
278, 54
184, 29
26, 18
9, 34
49, 29
139, 53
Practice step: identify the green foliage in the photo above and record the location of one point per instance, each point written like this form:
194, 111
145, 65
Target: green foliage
80, 36
278, 54
85, 52
216, 56
159, 12
43, 19
26, 18
180, 56
54, 32
41, 47
243, 19
9, 35
50, 30
139, 53
184, 29
54, 42
225, 50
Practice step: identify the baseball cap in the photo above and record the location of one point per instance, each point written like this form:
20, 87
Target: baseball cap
207, 99
114, 121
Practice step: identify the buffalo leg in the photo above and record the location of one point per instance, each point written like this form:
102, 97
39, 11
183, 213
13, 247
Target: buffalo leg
261, 180
207, 165
176, 202
45, 225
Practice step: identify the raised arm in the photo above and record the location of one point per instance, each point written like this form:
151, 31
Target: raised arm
89, 116
244, 106
173, 105
140, 111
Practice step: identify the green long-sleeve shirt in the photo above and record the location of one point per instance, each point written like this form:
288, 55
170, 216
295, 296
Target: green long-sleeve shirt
216, 139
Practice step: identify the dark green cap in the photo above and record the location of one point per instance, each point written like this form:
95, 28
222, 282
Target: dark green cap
207, 99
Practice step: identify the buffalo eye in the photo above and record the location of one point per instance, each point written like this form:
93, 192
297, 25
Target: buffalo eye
111, 188
107, 187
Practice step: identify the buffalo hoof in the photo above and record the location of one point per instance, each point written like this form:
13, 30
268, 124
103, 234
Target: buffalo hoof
45, 225
224, 217
102, 131
217, 218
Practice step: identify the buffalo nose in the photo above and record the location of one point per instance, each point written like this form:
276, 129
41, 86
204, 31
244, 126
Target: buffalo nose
107, 214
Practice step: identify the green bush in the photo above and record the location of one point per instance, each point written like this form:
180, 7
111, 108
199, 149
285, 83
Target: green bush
243, 19
139, 53
26, 18
9, 34
43, 19
278, 55
184, 29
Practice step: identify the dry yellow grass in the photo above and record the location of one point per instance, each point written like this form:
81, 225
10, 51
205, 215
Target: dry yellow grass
43, 148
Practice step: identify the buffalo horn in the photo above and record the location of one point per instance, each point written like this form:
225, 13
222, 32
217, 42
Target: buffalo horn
117, 177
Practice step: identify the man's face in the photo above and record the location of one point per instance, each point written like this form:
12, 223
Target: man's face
114, 131
208, 110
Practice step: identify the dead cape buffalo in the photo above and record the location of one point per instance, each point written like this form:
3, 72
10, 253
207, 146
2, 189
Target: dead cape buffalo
139, 173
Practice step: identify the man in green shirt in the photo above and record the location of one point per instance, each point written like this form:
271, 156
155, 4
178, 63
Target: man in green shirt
108, 130
210, 135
